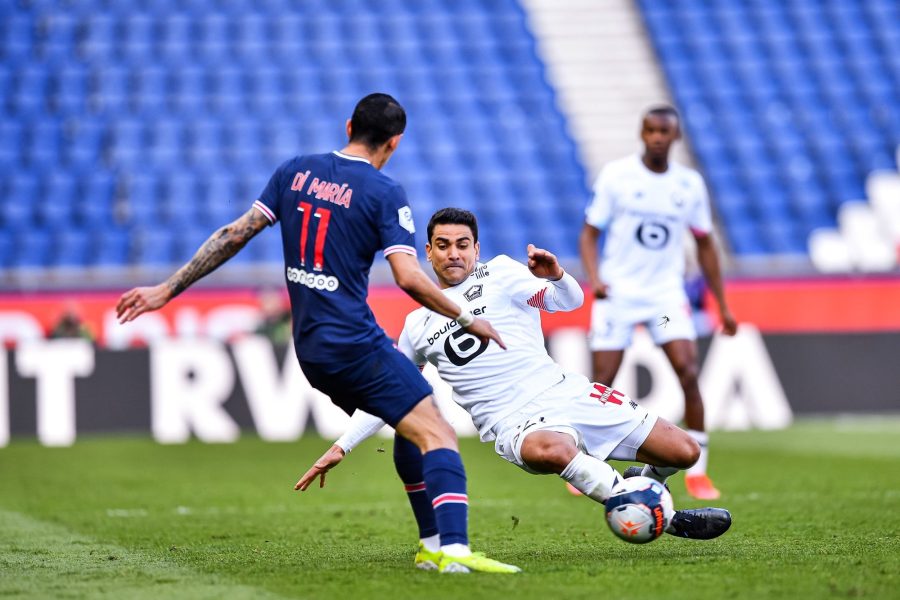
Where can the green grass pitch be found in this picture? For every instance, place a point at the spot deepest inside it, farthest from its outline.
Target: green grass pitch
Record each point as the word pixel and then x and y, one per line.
pixel 816 515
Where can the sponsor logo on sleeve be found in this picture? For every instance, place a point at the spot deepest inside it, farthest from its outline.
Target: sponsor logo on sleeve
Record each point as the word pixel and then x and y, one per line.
pixel 406 220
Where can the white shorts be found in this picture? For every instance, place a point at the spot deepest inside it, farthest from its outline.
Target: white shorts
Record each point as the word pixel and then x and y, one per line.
pixel 613 322
pixel 604 422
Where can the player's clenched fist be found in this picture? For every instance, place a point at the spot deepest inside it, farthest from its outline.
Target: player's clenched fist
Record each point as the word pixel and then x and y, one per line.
pixel 544 264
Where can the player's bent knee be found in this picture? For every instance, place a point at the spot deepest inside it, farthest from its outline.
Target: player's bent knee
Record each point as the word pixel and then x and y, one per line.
pixel 688 452
pixel 548 451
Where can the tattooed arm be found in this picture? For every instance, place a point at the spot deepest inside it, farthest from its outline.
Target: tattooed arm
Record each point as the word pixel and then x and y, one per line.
pixel 221 245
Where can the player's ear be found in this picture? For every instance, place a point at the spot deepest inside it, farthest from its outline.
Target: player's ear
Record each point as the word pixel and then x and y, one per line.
pixel 349 129
pixel 394 142
pixel 428 251
pixel 477 250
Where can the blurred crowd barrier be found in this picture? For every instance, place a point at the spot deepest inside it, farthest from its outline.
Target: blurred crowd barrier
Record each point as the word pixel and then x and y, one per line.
pixel 206 366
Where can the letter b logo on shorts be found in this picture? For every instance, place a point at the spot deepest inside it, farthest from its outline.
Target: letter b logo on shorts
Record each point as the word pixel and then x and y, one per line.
pixel 462 347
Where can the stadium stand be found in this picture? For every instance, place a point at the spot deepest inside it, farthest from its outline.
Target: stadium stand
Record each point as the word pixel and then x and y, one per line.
pixel 129 129
pixel 790 107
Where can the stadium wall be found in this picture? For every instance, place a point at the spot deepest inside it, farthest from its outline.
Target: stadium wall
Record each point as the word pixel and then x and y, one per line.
pixel 193 370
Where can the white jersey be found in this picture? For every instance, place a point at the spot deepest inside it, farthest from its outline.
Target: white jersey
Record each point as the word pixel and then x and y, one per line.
pixel 487 381
pixel 644 215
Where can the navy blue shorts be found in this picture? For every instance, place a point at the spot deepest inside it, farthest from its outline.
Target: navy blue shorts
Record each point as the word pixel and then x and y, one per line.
pixel 383 382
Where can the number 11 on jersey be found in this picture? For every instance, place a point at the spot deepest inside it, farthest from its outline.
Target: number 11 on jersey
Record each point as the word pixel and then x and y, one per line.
pixel 324 215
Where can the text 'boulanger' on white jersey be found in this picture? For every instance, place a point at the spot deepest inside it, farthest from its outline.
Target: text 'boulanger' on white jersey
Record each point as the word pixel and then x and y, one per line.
pixel 644 215
pixel 487 381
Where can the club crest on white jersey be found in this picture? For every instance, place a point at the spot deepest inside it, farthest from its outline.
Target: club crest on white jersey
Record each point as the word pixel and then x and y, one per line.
pixel 488 381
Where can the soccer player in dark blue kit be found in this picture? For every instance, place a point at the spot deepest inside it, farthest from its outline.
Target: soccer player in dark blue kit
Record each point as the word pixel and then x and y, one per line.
pixel 336 211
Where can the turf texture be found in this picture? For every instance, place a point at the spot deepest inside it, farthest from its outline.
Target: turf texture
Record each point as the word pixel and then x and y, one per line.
pixel 816 515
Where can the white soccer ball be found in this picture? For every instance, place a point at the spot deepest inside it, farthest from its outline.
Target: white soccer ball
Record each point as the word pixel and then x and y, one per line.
pixel 639 509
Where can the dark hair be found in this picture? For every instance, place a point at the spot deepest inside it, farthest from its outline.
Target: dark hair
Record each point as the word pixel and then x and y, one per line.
pixel 376 119
pixel 663 110
pixel 453 216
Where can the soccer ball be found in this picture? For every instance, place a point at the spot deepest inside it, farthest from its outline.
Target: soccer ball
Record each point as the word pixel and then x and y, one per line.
pixel 639 509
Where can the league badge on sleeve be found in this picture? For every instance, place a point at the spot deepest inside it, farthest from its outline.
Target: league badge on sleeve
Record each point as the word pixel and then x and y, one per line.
pixel 406 220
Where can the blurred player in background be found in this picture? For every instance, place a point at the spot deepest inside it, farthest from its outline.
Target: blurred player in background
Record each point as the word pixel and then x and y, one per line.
pixel 336 211
pixel 644 203
pixel 543 419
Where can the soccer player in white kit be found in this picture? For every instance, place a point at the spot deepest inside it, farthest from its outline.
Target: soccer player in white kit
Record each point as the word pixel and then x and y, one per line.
pixel 644 203
pixel 540 417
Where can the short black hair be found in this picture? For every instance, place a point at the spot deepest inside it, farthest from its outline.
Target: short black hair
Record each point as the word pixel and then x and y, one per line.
pixel 663 110
pixel 376 119
pixel 453 216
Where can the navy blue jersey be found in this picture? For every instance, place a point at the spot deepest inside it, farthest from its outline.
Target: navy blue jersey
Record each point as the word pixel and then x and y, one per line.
pixel 336 211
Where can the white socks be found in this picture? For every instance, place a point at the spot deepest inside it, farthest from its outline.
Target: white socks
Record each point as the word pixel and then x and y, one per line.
pixel 701 438
pixel 457 550
pixel 432 543
pixel 660 474
pixel 591 476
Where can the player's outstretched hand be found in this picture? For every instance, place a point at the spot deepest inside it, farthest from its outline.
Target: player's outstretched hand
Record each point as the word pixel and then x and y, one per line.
pixel 544 264
pixel 137 301
pixel 484 331
pixel 331 458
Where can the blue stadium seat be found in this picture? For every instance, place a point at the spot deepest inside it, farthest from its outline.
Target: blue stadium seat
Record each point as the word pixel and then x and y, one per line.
pixel 12 140
pixel 127 142
pixel 69 87
pixel 111 246
pixel 252 39
pixel 33 248
pixel 176 37
pixel 21 193
pixel 141 200
pixel 745 240
pixel 139 37
pixel 287 43
pixel 269 247
pixel 84 136
pixel 110 88
pixel 166 143
pixel 56 204
pixel 72 248
pixel 18 36
pixel 7 248
pixel 220 199
pixel 782 237
pixel 98 37
pixel 814 84
pixel 178 199
pixel 121 100
pixel 96 198
pixel 228 87
pixel 215 30
pixel 189 93
pixel 151 90
pixel 190 238
pixel 29 91
pixel 58 35
pixel 244 142
pixel 44 143
pixel 154 246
